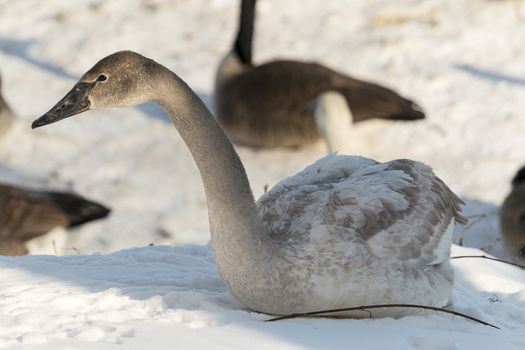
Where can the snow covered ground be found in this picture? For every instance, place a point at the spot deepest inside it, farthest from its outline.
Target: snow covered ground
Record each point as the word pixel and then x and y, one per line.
pixel 172 298
pixel 462 60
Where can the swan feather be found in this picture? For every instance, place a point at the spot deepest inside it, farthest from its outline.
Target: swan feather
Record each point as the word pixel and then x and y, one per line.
pixel 398 210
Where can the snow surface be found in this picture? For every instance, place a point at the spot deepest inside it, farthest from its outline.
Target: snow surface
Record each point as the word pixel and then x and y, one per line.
pixel 462 60
pixel 171 297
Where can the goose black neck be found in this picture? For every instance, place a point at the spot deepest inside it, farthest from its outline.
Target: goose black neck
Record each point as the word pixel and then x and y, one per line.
pixel 519 178
pixel 243 42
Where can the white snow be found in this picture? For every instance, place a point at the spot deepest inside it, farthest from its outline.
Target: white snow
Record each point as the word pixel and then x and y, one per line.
pixel 171 297
pixel 462 60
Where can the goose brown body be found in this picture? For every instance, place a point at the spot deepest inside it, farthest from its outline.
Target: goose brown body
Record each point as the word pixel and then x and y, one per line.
pixel 273 104
pixel 26 214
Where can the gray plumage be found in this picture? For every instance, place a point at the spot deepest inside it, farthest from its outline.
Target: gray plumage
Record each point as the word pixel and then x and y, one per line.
pixel 345 231
pixel 273 104
pixel 26 214
pixel 512 216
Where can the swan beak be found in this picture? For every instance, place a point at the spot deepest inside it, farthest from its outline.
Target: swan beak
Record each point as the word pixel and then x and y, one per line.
pixel 76 101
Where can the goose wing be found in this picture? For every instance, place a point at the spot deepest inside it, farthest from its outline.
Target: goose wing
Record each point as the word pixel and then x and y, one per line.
pixel 369 101
pixel 282 91
pixel 397 210
pixel 26 214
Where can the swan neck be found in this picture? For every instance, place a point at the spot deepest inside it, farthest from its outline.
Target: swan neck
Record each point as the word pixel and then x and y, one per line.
pixel 237 232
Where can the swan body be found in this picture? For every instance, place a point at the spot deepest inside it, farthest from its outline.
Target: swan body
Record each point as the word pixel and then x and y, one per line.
pixel 512 217
pixel 269 105
pixel 345 231
pixel 360 224
pixel 26 214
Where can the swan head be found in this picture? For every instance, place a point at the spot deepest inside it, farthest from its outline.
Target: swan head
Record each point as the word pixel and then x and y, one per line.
pixel 118 80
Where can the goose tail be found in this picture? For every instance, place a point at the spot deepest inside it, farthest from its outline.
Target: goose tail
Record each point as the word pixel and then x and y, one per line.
pixel 77 209
pixel 369 101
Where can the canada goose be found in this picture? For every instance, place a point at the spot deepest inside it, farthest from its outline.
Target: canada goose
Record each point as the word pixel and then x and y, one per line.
pixel 273 104
pixel 512 216
pixel 6 115
pixel 345 231
pixel 26 214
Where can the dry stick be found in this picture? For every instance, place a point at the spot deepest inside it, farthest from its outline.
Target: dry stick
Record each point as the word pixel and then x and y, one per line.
pixel 488 258
pixel 482 215
pixel 437 309
pixel 478 218
pixel 54 247
pixel 366 307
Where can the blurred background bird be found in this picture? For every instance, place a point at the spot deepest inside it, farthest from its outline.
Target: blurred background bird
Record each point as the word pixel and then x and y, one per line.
pixel 274 104
pixel 512 216
pixel 26 214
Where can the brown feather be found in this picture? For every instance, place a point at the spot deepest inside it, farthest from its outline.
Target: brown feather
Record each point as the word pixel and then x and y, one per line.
pixel 26 214
pixel 271 105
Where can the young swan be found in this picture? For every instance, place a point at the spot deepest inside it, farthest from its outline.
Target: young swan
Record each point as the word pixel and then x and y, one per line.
pixel 512 216
pixel 346 231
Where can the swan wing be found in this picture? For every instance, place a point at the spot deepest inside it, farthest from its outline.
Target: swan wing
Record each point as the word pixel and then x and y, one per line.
pixel 398 209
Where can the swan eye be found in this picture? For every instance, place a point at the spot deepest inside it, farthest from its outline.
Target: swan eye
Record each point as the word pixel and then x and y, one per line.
pixel 102 77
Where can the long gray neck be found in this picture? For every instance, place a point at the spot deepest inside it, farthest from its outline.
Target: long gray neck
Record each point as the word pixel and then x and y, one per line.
pixel 240 242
